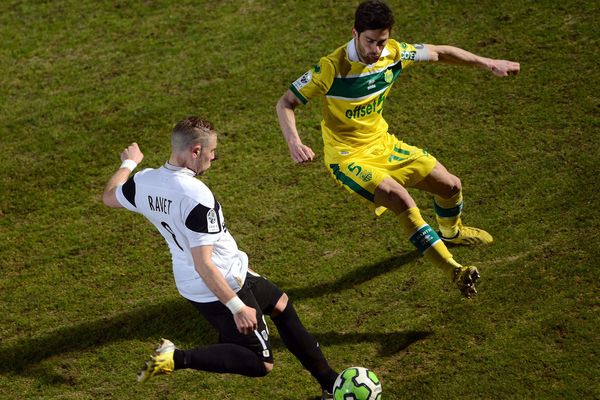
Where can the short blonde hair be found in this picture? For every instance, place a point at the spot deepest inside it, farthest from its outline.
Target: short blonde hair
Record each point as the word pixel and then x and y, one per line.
pixel 191 131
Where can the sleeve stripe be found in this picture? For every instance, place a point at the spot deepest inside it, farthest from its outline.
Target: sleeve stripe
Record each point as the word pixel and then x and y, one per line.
pixel 204 219
pixel 298 94
pixel 129 191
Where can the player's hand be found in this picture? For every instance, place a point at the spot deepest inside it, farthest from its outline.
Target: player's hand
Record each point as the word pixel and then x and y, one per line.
pixel 132 152
pixel 504 67
pixel 301 153
pixel 245 320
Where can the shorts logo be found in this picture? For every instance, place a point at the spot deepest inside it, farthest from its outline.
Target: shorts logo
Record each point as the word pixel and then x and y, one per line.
pixel 211 221
pixel 265 335
pixel 366 176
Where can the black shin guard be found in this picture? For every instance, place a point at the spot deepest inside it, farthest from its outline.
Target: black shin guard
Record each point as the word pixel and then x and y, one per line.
pixel 222 358
pixel 304 346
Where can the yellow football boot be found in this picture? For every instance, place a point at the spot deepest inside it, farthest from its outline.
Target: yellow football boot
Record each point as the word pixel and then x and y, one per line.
pixel 468 236
pixel 160 362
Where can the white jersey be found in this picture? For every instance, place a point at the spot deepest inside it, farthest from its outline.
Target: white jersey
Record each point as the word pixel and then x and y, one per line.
pixel 187 215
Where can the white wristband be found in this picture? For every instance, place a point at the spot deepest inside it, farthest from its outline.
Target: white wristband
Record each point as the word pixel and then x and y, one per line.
pixel 129 164
pixel 235 305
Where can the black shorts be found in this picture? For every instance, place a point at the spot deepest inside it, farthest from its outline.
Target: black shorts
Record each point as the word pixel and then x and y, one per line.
pixel 258 293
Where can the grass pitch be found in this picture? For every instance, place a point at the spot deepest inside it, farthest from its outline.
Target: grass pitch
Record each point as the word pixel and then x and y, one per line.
pixel 86 291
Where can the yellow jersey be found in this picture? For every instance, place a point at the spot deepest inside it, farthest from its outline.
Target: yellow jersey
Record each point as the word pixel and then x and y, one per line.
pixel 353 93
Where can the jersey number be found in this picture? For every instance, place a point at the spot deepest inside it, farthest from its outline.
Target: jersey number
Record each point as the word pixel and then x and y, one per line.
pixel 168 228
pixel 356 169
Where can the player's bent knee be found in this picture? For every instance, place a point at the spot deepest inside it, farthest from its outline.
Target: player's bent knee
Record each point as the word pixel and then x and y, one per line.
pixel 393 196
pixel 457 185
pixel 455 189
pixel 280 306
pixel 452 190
pixel 449 187
pixel 441 182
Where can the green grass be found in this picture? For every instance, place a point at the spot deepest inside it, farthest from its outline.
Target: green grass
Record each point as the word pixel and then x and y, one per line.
pixel 86 291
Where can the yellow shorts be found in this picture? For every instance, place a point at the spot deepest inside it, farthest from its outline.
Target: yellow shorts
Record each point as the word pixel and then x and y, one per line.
pixel 363 170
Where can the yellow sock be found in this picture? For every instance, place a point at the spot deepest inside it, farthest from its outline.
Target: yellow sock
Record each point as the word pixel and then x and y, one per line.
pixel 426 240
pixel 447 214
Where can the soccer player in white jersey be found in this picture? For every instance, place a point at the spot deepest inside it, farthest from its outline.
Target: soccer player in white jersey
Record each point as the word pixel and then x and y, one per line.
pixel 363 157
pixel 209 269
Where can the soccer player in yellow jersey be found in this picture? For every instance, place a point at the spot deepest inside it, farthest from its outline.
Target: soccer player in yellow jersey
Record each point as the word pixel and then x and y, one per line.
pixel 363 157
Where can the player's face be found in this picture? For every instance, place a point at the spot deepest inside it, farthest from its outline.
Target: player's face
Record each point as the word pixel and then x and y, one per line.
pixel 370 44
pixel 206 156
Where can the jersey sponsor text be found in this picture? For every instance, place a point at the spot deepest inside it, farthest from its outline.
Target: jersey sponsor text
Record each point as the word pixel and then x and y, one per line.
pixel 366 109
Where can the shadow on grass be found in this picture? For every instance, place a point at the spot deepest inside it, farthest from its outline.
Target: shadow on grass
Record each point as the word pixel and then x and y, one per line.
pixel 354 277
pixel 178 320
pixel 151 322
pixel 390 343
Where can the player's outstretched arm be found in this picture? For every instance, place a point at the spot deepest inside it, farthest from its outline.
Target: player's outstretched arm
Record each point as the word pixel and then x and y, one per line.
pixel 287 121
pixel 243 315
pixel 458 56
pixel 130 158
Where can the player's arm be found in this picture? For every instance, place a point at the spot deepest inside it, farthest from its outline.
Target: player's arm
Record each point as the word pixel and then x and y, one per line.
pixel 287 121
pixel 244 316
pixel 458 56
pixel 130 158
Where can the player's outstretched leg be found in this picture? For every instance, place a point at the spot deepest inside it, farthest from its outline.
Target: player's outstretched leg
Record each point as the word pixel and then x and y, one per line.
pixel 427 241
pixel 306 349
pixel 220 358
pixel 160 362
pixel 447 213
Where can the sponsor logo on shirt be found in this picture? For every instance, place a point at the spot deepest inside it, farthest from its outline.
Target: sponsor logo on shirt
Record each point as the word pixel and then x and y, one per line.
pixel 408 55
pixel 366 109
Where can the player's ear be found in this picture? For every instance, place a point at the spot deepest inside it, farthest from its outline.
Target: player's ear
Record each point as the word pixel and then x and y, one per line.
pixel 196 150
pixel 354 33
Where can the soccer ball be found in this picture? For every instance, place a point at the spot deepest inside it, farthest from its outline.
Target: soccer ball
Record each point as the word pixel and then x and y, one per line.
pixel 357 383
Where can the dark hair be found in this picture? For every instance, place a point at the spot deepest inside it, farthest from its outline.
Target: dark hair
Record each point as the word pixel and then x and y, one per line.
pixel 373 14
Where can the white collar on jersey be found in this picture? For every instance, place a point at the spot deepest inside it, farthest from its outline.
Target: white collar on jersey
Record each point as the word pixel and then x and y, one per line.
pixel 175 168
pixel 353 53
